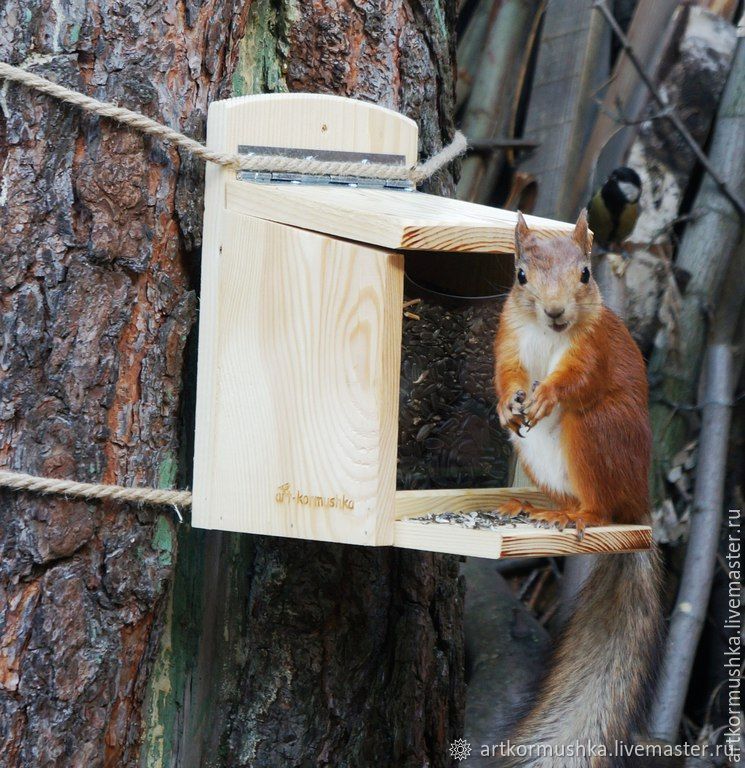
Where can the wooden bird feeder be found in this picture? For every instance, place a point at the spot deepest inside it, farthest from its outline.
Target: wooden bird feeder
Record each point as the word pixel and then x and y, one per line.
pixel 300 338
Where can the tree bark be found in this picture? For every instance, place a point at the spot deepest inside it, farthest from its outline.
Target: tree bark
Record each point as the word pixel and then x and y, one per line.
pixel 96 306
pixel 697 63
pixel 274 652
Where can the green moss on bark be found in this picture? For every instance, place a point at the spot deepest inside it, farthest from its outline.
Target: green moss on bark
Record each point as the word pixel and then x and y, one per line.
pixel 263 51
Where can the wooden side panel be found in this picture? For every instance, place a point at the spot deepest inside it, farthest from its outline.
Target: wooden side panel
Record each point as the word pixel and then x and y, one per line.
pixel 298 420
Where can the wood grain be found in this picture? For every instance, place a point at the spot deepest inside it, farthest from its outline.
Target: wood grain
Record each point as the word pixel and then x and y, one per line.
pixel 291 120
pixel 303 389
pixel 526 540
pixel 300 342
pixel 388 218
pixel 522 540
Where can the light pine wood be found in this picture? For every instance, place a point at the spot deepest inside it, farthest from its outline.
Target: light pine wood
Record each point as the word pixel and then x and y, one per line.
pixel 304 387
pixel 299 345
pixel 522 540
pixel 310 121
pixel 388 218
pixel 417 503
pixel 526 540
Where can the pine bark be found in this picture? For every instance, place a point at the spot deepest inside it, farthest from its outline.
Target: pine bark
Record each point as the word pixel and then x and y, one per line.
pixel 330 655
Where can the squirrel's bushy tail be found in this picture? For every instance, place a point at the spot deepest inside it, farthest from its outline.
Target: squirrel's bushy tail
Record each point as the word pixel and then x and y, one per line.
pixel 600 678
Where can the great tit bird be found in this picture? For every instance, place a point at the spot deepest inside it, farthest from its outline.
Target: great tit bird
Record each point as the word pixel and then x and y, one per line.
pixel 613 210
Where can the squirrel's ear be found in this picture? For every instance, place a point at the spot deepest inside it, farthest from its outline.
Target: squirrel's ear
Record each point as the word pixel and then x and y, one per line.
pixel 581 234
pixel 522 234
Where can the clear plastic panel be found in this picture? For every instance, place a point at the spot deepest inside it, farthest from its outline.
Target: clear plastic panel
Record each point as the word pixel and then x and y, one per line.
pixel 449 433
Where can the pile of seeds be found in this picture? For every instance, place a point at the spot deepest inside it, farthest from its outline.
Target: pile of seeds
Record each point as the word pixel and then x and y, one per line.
pixel 481 520
pixel 449 433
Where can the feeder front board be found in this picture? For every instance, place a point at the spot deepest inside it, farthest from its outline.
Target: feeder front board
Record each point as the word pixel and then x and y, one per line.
pixel 300 338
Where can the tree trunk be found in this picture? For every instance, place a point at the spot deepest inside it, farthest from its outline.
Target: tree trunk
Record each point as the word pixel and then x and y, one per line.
pixel 274 652
pixel 96 306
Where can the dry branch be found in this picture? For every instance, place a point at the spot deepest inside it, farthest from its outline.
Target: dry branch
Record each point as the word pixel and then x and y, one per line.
pixel 608 142
pixel 706 247
pixel 495 92
pixel 569 71
pixel 723 371
pixel 471 48
pixel 698 574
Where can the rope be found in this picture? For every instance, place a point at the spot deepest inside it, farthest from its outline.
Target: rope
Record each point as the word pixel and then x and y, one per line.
pixel 266 163
pixel 18 481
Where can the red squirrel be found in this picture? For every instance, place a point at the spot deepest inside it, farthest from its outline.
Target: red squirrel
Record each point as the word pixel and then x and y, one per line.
pixel 572 390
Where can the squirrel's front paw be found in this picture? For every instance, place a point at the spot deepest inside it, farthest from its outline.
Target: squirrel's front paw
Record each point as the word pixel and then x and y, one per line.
pixel 541 404
pixel 510 410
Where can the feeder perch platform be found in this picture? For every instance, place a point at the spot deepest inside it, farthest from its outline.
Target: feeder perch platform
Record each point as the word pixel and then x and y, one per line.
pixel 300 338
pixel 414 528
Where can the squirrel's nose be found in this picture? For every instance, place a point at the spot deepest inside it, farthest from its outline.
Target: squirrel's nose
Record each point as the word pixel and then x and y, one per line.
pixel 554 311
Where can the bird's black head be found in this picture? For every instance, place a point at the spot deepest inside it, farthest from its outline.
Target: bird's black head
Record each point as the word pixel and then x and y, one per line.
pixel 627 181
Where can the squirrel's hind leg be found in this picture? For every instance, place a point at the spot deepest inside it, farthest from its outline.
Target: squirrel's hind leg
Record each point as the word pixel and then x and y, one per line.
pixel 515 507
pixel 577 517
pixel 572 516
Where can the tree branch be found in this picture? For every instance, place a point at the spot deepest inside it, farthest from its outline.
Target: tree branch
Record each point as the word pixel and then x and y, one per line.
pixel 698 572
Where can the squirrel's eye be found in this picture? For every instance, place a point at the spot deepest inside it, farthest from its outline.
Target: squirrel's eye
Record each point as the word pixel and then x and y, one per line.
pixel 585 276
pixel 521 277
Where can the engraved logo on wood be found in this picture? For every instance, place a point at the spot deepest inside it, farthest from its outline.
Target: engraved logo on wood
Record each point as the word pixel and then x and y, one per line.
pixel 286 494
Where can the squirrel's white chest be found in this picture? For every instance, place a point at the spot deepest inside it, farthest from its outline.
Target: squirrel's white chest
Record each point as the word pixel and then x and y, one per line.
pixel 541 350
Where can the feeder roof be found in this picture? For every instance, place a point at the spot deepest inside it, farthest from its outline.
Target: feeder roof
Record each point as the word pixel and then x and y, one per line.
pixel 393 219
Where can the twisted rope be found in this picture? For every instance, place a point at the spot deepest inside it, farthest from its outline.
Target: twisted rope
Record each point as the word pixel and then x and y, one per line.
pixel 266 163
pixel 18 481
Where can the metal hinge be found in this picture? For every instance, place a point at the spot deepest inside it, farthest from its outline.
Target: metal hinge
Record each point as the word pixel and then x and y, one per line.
pixel 324 154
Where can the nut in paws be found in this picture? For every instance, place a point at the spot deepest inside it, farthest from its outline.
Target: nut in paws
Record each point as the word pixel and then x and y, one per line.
pixel 541 404
pixel 510 410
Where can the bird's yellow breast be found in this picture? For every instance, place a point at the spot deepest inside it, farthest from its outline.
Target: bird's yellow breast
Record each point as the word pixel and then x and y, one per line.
pixel 599 219
pixel 627 221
